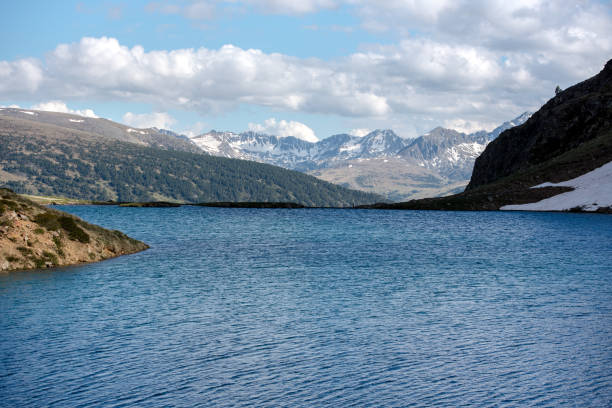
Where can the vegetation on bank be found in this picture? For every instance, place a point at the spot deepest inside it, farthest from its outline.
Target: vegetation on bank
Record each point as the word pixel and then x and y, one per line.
pixel 33 236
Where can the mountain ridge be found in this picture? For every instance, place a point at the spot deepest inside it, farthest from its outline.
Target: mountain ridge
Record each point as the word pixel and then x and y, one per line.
pixel 543 164
pixel 48 159
pixel 371 162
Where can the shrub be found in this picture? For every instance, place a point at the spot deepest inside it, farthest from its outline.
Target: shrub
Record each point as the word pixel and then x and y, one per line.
pixel 39 262
pixel 48 220
pixel 50 256
pixel 75 232
pixel 58 245
pixel 24 250
pixel 10 204
pixel 39 231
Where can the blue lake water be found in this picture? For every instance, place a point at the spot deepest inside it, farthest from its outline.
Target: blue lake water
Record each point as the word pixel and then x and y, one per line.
pixel 242 307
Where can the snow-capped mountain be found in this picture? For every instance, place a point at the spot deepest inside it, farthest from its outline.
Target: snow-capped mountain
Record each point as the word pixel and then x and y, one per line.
pixel 440 148
pixel 296 153
pixel 450 153
pixel 447 156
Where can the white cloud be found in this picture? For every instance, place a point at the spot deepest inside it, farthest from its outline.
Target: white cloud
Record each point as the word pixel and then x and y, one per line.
pixel 200 10
pixel 483 61
pixel 194 130
pixel 466 126
pixel 208 80
pixel 293 7
pixel 20 77
pixel 195 10
pixel 360 132
pixel 160 120
pixel 285 128
pixel 59 106
pixel 205 9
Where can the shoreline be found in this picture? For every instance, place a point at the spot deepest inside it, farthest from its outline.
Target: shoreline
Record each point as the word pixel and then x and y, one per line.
pixel 295 206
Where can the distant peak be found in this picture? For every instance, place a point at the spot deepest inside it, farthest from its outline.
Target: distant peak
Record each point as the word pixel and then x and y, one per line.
pixel 384 132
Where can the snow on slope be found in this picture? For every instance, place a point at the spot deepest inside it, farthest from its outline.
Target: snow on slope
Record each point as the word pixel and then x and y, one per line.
pixel 592 191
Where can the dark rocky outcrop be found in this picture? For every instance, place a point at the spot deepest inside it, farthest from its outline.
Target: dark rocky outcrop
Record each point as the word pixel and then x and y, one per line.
pixel 581 113
pixel 569 136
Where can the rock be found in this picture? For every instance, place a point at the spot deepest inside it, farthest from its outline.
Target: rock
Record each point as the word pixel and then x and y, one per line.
pixel 577 115
pixel 39 250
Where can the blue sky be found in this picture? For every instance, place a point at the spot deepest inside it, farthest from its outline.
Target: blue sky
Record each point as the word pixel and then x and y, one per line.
pixel 316 66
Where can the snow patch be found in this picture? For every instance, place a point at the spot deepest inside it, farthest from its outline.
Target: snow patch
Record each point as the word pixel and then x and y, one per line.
pixel 349 147
pixel 142 132
pixel 76 120
pixel 28 113
pixel 207 142
pixel 591 191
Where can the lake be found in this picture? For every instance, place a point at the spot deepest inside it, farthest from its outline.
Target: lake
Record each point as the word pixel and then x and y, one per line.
pixel 315 307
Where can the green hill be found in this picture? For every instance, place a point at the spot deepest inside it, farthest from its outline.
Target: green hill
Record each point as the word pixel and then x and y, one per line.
pixel 48 159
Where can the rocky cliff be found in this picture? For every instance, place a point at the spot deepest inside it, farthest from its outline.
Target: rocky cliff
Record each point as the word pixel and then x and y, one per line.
pixel 577 115
pixel 563 148
pixel 33 236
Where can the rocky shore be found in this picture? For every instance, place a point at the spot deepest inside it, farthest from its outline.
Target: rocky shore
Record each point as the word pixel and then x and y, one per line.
pixel 33 237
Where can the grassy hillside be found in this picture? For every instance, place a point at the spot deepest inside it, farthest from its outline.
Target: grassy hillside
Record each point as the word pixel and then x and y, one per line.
pixel 33 236
pixel 45 160
pixel 97 128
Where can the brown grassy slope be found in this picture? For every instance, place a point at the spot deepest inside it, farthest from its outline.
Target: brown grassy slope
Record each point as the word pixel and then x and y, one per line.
pixel 33 236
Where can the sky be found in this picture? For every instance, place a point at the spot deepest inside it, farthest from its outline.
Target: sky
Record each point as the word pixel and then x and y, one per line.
pixel 307 68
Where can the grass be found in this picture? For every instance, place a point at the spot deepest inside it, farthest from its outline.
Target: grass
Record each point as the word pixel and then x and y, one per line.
pixel 48 220
pixel 24 250
pixel 52 222
pixel 62 226
pixel 50 257
pixel 59 247
pixel 75 232
pixel 45 200
pixel 12 205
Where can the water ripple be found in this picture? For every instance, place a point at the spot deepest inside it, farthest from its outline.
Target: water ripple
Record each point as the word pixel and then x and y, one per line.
pixel 268 308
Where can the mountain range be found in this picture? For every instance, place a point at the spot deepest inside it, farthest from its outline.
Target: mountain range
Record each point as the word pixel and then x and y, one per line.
pixel 46 153
pixel 560 159
pixel 437 163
